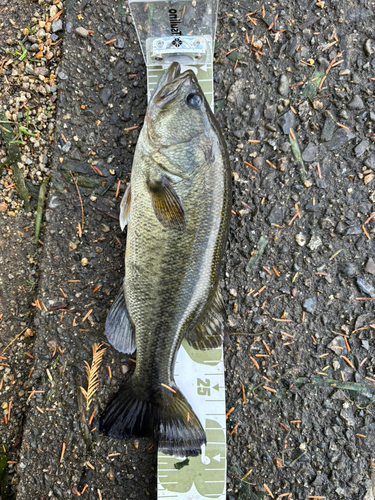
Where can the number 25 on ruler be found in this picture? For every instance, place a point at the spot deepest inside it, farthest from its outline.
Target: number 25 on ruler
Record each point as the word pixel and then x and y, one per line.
pixel 203 388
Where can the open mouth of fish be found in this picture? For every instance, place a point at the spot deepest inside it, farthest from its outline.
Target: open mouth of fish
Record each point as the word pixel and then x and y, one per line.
pixel 172 84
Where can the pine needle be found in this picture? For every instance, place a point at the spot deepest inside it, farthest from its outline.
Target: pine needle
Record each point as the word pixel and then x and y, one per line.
pixel 92 373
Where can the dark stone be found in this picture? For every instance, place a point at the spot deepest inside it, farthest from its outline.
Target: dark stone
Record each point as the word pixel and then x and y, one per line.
pixel 361 148
pixel 255 116
pixel 287 121
pixel 309 305
pixel 310 153
pixel 239 133
pixel 321 183
pixel 328 129
pixel 104 95
pixel 127 114
pixel 361 118
pixel 120 43
pixel 370 161
pixel 276 215
pixel 356 103
pixel 270 111
pixel 340 228
pixel 364 208
pixel 366 287
pixel 370 266
pixel 340 137
pixel 259 163
pixel 354 230
pixel 114 119
pixel 348 269
pixel 79 167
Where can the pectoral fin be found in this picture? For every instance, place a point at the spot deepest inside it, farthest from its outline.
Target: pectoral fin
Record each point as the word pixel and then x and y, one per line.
pixel 125 208
pixel 209 332
pixel 118 327
pixel 166 203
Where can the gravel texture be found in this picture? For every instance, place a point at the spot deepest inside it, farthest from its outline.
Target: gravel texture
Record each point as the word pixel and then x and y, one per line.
pixel 301 318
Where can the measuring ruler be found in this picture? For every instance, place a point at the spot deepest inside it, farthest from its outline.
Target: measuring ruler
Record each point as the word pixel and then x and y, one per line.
pixel 200 376
pixel 181 31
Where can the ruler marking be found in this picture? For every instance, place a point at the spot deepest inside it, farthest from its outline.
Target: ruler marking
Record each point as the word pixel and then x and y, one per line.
pixel 170 496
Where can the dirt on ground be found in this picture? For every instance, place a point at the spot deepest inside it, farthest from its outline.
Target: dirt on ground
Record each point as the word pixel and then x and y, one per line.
pixel 294 96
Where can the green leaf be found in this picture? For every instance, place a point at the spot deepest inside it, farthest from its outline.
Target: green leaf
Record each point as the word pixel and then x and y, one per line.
pixel 219 105
pixel 180 465
pixel 235 56
pixel 25 131
pixel 254 260
pixel 312 87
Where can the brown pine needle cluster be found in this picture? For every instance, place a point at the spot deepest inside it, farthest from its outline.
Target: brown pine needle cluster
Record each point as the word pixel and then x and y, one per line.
pixel 92 373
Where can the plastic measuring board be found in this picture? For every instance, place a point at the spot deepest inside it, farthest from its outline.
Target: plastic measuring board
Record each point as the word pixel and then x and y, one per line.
pixel 199 374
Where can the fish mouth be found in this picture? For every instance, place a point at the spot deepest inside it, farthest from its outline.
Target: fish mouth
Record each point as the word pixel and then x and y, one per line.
pixel 173 81
pixel 172 72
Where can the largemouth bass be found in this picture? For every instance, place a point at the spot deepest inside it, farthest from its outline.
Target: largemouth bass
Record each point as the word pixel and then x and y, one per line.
pixel 177 209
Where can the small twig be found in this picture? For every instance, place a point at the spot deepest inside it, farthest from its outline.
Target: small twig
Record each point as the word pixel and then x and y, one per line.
pixel 80 198
pixel 15 338
pixel 295 460
pixel 39 210
pixel 92 373
pixel 62 452
pixel 2 64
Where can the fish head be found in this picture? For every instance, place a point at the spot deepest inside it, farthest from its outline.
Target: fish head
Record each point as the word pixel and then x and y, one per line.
pixel 178 110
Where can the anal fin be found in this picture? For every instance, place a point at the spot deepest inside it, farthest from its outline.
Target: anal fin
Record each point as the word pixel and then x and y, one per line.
pixel 210 330
pixel 118 327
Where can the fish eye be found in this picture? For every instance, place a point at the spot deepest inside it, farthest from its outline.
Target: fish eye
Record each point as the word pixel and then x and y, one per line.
pixel 194 100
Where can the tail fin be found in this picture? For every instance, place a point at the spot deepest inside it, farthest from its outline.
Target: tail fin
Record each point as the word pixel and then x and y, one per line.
pixel 177 428
pixel 171 422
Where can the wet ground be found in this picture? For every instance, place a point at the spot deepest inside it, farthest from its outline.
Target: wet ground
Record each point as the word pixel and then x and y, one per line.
pixel 295 101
